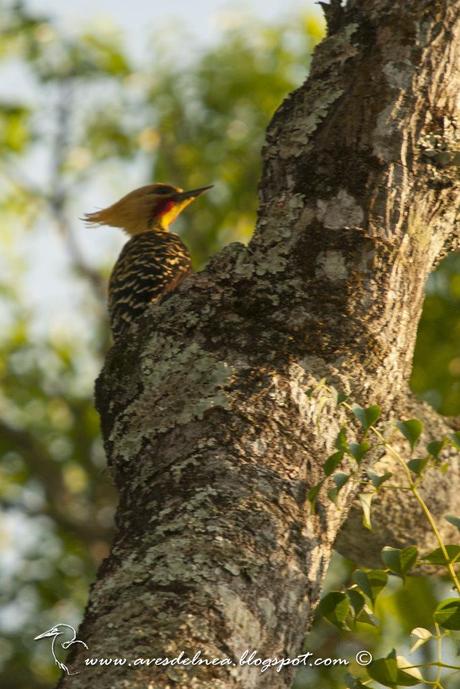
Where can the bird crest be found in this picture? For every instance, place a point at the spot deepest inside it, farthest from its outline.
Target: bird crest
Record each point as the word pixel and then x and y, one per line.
pixel 152 207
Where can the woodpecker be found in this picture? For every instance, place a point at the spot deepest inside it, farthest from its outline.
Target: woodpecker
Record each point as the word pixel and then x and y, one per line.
pixel 154 261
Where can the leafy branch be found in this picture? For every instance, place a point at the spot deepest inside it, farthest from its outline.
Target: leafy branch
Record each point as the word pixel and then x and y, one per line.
pixel 357 603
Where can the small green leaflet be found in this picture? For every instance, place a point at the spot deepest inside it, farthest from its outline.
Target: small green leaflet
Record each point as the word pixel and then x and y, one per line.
pixel 367 416
pixel 421 635
pixel 398 561
pixel 434 448
pixel 341 441
pixel 340 479
pixel 358 450
pixel 357 601
pixel 447 614
pixel 335 607
pixel 366 500
pixel 332 462
pixel 437 557
pixel 370 581
pixel 453 520
pixel 418 465
pixel 389 672
pixel 411 430
pixel 377 480
pixel 366 617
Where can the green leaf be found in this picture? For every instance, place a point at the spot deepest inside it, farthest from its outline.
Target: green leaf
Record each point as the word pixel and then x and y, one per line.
pixel 367 416
pixel 411 430
pixel 366 500
pixel 447 614
pixel 418 465
pixel 340 479
pixel 335 607
pixel 377 480
pixel 407 676
pixel 341 441
pixel 370 581
pixel 333 494
pixel 366 617
pixel 434 448
pixel 453 520
pixel 341 398
pixel 357 601
pixel 399 561
pixel 332 462
pixel 358 450
pixel 436 557
pixel 407 558
pixel 387 672
pixel 421 635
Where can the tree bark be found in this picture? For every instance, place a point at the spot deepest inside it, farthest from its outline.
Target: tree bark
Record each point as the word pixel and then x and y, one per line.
pixel 220 409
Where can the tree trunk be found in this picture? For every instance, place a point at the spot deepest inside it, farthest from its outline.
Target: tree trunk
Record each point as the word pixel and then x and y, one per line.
pixel 219 412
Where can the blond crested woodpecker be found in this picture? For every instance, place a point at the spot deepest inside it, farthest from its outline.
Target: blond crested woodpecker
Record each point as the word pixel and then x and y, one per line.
pixel 154 261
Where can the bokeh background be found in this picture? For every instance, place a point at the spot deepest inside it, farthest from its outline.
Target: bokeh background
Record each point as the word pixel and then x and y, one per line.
pixel 96 98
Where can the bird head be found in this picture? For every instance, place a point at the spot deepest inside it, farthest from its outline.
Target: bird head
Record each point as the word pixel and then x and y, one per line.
pixel 153 207
pixel 53 631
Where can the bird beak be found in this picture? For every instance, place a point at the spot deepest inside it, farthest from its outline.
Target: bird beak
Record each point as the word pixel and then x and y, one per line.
pixel 44 635
pixel 192 194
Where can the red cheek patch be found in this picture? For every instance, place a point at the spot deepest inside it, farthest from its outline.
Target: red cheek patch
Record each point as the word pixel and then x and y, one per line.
pixel 164 206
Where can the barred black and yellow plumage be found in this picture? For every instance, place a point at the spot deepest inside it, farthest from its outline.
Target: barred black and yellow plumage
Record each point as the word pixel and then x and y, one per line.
pixel 153 262
pixel 150 265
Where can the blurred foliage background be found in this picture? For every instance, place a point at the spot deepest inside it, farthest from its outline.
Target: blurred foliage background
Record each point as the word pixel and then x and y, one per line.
pixel 89 126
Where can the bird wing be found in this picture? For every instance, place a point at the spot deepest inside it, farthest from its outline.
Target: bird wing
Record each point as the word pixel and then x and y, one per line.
pixel 150 265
